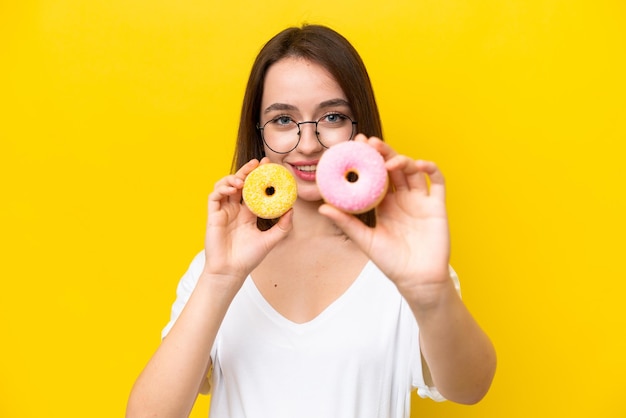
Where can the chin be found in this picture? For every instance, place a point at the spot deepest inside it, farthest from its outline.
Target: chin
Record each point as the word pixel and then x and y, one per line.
pixel 310 197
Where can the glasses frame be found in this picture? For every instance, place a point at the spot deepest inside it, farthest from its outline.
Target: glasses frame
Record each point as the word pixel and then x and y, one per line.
pixel 317 134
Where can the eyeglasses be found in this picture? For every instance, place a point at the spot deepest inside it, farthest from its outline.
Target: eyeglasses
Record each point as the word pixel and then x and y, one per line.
pixel 282 134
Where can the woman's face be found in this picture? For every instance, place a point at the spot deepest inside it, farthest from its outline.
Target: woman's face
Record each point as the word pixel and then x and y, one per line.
pixel 297 90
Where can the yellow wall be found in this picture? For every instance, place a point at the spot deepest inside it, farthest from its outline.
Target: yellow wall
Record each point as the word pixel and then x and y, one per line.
pixel 118 116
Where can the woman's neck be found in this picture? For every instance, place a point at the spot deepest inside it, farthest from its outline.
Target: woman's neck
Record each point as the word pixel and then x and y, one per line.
pixel 308 222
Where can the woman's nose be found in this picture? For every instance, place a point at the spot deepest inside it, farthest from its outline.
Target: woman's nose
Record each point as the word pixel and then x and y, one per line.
pixel 308 138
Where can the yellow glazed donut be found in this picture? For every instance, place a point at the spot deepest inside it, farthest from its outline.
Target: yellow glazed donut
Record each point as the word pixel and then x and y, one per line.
pixel 269 191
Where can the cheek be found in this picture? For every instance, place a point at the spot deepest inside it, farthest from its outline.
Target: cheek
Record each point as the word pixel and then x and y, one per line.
pixel 273 157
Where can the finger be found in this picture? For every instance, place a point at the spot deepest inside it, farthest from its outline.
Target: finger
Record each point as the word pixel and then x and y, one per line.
pixel 225 187
pixel 360 138
pixel 405 174
pixel 381 146
pixel 281 229
pixel 437 180
pixel 285 223
pixel 224 190
pixel 247 168
pixel 356 230
pixel 388 153
pixel 230 186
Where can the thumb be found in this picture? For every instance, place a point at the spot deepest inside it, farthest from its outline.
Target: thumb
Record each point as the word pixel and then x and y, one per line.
pixel 356 230
pixel 280 230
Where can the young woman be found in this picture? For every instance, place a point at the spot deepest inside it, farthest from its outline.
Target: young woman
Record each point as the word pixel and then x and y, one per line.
pixel 319 313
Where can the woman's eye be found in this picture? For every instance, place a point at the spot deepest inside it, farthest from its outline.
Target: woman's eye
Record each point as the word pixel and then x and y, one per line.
pixel 334 118
pixel 282 120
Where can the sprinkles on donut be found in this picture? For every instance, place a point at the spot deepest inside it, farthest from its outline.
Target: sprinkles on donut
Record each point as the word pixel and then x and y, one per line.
pixel 352 177
pixel 269 191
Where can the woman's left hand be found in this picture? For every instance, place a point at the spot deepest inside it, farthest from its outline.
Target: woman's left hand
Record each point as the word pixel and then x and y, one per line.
pixel 410 242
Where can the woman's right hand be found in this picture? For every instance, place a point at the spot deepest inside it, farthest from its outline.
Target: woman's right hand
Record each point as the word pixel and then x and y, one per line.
pixel 234 245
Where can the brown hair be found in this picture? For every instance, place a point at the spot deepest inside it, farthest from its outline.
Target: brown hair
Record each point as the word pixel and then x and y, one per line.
pixel 332 51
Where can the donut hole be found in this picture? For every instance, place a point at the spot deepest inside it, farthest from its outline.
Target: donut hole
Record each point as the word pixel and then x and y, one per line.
pixel 270 190
pixel 352 176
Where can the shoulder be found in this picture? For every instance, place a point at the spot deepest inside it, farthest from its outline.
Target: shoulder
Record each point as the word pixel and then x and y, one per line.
pixel 185 287
pixel 455 279
pixel 190 278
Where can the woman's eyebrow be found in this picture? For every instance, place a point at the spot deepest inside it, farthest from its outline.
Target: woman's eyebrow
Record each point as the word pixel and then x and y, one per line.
pixel 334 103
pixel 279 106
pixel 323 105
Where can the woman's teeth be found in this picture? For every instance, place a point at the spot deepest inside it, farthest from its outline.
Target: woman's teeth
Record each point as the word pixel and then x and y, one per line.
pixel 307 168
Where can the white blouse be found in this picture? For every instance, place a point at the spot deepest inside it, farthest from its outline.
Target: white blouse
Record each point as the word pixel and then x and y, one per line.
pixel 360 357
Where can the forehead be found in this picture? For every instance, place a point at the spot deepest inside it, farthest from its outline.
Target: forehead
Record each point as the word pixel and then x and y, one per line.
pixel 300 83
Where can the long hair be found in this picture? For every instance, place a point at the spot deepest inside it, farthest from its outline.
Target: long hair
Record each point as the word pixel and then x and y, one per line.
pixel 325 47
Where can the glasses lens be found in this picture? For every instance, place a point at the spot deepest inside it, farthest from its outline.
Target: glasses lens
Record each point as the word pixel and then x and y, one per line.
pixel 281 134
pixel 334 128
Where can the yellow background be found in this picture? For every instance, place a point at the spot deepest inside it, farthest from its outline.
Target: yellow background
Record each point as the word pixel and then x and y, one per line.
pixel 117 117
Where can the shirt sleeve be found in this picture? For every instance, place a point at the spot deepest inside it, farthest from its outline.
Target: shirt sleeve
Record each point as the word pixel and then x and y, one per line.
pixel 185 287
pixel 423 390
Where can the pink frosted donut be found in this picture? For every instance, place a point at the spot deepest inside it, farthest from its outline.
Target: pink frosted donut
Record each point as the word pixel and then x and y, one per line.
pixel 352 177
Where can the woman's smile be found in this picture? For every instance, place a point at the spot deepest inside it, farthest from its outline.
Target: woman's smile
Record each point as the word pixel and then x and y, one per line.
pixel 305 171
